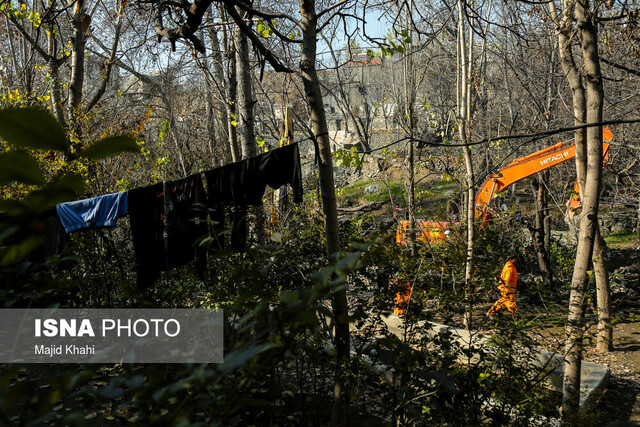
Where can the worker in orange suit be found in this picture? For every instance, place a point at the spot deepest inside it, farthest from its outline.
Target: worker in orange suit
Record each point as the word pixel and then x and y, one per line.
pixel 507 286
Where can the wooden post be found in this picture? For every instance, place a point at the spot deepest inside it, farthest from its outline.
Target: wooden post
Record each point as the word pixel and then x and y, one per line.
pixel 279 199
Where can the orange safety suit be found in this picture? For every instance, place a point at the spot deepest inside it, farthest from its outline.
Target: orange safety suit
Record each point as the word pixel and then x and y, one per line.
pixel 402 301
pixel 507 287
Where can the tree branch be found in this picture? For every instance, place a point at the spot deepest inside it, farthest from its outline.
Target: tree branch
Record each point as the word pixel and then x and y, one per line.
pixel 28 38
pixel 330 8
pixel 275 63
pixel 108 63
pixel 194 13
pixel 620 67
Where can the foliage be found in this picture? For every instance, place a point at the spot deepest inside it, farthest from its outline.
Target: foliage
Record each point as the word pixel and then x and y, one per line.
pixel 621 239
pixel 348 158
pixel 562 259
pixel 278 365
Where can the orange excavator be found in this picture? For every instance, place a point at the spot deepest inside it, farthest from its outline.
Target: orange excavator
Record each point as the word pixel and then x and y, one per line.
pixel 517 170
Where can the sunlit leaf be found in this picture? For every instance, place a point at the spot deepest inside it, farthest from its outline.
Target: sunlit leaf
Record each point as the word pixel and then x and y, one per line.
pixel 206 241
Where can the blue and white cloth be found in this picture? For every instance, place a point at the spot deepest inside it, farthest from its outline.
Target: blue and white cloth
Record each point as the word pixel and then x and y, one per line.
pixel 96 212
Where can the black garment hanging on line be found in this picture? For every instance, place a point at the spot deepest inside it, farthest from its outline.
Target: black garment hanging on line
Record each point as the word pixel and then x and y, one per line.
pixel 56 239
pixel 243 184
pixel 275 169
pixel 46 225
pixel 168 220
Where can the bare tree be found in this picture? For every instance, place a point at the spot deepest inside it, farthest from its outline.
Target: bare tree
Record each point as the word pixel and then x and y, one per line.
pixel 587 105
pixel 309 23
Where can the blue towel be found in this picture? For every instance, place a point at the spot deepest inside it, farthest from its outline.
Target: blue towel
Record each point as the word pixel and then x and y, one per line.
pixel 96 212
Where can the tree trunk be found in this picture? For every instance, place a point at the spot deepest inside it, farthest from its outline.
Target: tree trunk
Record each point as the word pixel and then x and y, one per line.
pixel 582 110
pixel 54 71
pixel 232 90
pixel 108 64
pixel 77 57
pixel 246 130
pixel 211 113
pixel 319 128
pixel 538 231
pixel 216 59
pixel 585 22
pixel 604 341
pixel 409 117
pixel 463 115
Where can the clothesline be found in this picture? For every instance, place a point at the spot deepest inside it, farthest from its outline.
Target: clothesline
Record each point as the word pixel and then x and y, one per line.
pixel 169 219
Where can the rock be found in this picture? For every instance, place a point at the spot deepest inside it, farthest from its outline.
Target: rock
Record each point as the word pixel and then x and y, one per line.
pixel 371 189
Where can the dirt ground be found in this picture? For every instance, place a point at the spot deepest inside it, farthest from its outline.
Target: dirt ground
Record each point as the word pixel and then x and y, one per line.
pixel 620 406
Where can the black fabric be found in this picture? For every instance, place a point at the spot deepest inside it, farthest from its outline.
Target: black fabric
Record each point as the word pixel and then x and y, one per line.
pixel 284 168
pixel 225 184
pixel 168 220
pixel 275 169
pixel 46 225
pixel 56 239
pixel 239 228
pixel 243 183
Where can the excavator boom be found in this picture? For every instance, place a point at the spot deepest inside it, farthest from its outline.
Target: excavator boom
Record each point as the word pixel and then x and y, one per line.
pixel 524 167
pixel 517 170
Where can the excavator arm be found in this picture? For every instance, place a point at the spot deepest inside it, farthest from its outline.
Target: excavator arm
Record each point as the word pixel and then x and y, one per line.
pixel 517 170
pixel 524 167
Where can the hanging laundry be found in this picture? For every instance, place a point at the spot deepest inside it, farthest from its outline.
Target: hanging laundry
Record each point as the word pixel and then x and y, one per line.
pixel 226 184
pixel 243 184
pixel 56 239
pixel 275 169
pixel 46 226
pixel 168 220
pixel 96 212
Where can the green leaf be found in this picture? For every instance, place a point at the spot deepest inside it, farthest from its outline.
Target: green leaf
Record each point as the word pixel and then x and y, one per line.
pixel 16 253
pixel 12 207
pixel 32 128
pixel 64 189
pixel 16 166
pixel 110 146
pixel 289 297
pixel 206 241
pixel 239 358
pixel 322 277
pixel 349 262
